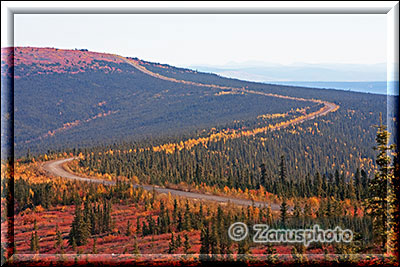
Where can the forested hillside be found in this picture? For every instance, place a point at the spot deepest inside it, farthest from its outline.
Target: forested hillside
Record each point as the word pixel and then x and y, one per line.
pixel 75 98
pixel 339 142
pixel 65 98
pixel 70 97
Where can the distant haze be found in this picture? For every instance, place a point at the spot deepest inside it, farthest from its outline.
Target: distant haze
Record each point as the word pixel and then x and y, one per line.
pixel 220 39
pixel 352 77
pixel 299 72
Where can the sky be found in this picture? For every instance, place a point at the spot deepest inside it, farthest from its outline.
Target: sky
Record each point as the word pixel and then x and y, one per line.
pixel 205 39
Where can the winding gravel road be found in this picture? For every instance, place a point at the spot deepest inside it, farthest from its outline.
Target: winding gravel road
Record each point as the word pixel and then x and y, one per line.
pixel 55 168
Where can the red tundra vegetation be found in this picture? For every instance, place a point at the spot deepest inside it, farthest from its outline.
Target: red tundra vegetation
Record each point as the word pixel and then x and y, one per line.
pixel 145 226
pixel 33 61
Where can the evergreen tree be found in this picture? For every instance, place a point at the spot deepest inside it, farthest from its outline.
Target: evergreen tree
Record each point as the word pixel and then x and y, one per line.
pixel 283 214
pixel 58 238
pixel 377 203
pixel 34 244
pixel 136 249
pixel 186 245
pixel 268 215
pixel 205 241
pixel 263 177
pixel 318 185
pixel 128 229
pixel 365 183
pixel 73 243
pixel 187 225
pixel 180 222
pixel 357 184
pixel 80 230
pixel 94 249
pixel 282 170
pixel 172 244
pixel 107 216
pixel 200 217
pixel 215 241
pixel 175 211
pixel 178 242
pixel 394 220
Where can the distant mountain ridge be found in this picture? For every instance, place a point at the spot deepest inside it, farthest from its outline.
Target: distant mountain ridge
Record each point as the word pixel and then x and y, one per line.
pixel 268 72
pixel 374 87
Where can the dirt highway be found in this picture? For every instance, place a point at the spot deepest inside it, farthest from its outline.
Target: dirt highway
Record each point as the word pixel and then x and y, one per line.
pixel 55 168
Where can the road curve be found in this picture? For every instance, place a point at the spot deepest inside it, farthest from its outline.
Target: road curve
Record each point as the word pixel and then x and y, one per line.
pixel 328 106
pixel 55 168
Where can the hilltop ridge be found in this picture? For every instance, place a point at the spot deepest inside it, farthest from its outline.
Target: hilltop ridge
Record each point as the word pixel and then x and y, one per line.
pixel 75 97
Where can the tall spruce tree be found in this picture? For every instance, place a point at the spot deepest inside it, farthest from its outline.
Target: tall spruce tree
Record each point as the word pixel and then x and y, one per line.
pixel 377 202
pixel 136 249
pixel 58 238
pixel 172 245
pixel 282 170
pixel 205 240
pixel 283 215
pixel 80 230
pixel 34 245
pixel 263 177
pixel 128 229
pixel 186 244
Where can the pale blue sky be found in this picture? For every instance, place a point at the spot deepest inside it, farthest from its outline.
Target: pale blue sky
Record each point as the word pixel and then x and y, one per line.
pixel 185 40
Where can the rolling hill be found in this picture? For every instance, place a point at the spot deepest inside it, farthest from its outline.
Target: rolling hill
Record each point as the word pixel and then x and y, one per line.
pixel 72 98
pixel 77 97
